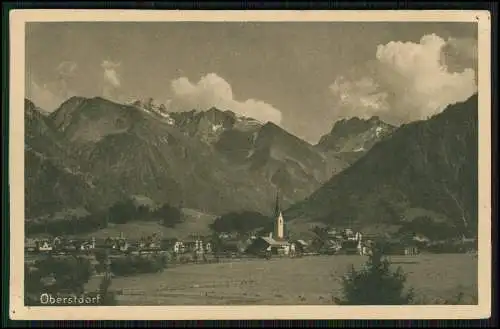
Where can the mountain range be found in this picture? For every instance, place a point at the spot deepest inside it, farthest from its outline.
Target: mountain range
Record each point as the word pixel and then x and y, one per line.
pixel 92 152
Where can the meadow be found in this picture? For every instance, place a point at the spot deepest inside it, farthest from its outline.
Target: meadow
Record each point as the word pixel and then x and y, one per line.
pixel 286 281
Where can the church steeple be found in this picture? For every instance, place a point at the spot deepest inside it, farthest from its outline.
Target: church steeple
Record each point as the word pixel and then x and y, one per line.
pixel 279 224
pixel 277 208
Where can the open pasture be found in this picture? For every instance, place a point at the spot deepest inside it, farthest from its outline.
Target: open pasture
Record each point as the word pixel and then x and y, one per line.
pixel 308 280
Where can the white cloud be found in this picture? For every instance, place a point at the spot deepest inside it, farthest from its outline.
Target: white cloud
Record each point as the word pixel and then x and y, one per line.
pixel 111 79
pixel 410 81
pixel 212 90
pixel 111 76
pixel 67 69
pixel 359 98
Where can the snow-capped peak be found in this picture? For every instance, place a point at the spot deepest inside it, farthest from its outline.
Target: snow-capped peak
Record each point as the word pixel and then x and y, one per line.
pixel 152 107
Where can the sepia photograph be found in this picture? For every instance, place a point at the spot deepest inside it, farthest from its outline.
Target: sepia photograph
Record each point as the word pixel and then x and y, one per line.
pixel 250 164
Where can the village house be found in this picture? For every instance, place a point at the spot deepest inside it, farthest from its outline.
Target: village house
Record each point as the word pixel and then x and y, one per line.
pixel 170 245
pixel 120 244
pixel 147 244
pixel 88 245
pixel 190 245
pixel 69 246
pixel 298 247
pixel 411 250
pixel 331 246
pixel 332 232
pixel 56 242
pixel 349 234
pixel 228 235
pixel 45 245
pixel 208 247
pixel 179 247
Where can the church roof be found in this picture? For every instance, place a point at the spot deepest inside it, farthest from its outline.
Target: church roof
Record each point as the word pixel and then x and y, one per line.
pixel 274 242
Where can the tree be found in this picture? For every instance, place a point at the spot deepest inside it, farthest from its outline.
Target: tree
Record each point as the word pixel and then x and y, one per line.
pixel 122 212
pixel 242 222
pixel 169 215
pixel 70 274
pixel 376 284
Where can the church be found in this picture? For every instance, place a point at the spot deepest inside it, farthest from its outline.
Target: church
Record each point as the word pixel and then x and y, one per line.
pixel 276 242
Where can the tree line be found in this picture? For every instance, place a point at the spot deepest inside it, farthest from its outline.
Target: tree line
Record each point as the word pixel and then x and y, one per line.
pixel 119 213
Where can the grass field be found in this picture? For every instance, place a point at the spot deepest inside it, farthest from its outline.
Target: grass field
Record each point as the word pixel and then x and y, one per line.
pixel 308 280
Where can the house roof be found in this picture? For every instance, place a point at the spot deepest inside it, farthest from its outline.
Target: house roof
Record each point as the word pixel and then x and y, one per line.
pixel 274 242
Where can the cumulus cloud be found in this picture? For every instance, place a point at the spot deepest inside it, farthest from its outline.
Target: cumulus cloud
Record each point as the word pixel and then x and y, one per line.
pixel 111 78
pixel 212 90
pixel 361 97
pixel 407 81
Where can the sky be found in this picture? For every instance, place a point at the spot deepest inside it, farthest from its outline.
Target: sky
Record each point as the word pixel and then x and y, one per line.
pixel 303 76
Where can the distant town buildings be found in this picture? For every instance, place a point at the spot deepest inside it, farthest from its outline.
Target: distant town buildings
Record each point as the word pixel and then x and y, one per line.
pixel 327 240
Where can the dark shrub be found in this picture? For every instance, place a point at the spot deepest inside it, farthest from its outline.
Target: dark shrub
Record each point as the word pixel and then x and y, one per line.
pixel 376 284
pixel 56 275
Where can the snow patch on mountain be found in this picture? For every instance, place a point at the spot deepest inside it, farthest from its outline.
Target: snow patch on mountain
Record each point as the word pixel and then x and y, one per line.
pixel 151 107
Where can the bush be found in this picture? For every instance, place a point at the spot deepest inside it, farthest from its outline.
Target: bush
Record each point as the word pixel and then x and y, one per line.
pixel 169 215
pixel 376 284
pixel 122 212
pixel 56 275
pixel 70 273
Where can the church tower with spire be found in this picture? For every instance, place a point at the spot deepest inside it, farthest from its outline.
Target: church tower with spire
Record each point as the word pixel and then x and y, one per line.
pixel 279 224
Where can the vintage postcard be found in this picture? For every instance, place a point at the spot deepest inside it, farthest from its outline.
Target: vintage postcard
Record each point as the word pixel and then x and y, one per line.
pixel 250 164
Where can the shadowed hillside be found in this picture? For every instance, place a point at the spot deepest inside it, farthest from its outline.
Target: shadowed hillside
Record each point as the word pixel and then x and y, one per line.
pixel 429 165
